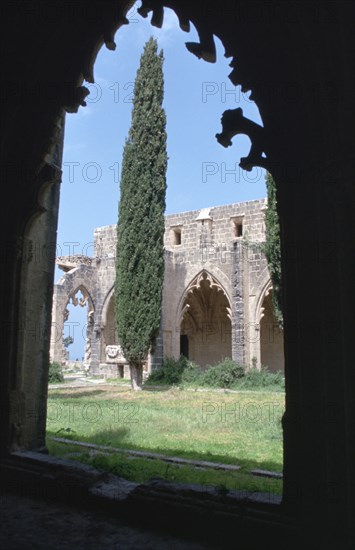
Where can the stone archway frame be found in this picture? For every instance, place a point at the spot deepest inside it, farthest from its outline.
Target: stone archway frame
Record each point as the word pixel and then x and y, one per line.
pixel 77 279
pixel 195 283
pixel 259 310
pixel 81 302
pixel 233 121
pixel 102 322
pixel 87 300
pixel 116 350
pixel 90 320
pixel 254 342
pixel 102 312
pixel 334 514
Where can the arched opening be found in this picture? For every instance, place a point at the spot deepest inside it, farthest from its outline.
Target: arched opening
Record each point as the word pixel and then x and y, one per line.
pixel 112 362
pixel 205 328
pixel 211 309
pixel 77 329
pixel 271 337
pixel 91 161
pixel 109 333
pixel 322 195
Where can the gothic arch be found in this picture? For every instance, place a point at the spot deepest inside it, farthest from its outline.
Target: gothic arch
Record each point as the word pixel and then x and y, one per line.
pixel 75 280
pixel 265 289
pixel 204 320
pixel 269 345
pixel 78 279
pixel 86 300
pixel 108 334
pixel 313 175
pixel 102 311
pixel 196 281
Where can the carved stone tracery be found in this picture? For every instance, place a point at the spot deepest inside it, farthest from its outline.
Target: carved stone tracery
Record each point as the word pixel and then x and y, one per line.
pixel 205 276
pixel 234 123
pixel 205 300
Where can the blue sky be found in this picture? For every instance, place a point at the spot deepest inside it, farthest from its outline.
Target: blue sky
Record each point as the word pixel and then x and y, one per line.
pixel 201 172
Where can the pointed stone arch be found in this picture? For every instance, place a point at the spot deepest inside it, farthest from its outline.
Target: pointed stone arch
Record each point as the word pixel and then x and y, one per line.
pixel 82 302
pixel 204 320
pixel 268 337
pixel 65 291
pixel 102 314
pixel 195 282
pixel 108 334
pixel 264 292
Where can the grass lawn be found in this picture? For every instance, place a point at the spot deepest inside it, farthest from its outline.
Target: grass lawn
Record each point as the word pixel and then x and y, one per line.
pixel 241 428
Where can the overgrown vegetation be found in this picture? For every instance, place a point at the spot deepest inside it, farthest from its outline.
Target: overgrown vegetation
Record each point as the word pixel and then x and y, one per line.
pixel 68 341
pixel 55 373
pixel 272 248
pixel 262 379
pixel 223 375
pixel 171 372
pixel 227 374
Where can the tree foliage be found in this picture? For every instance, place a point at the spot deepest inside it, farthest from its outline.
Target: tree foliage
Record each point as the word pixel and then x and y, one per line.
pixel 272 248
pixel 140 228
pixel 68 341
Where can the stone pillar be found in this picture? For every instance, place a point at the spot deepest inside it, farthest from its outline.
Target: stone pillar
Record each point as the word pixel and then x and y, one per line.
pixel 56 344
pixel 96 335
pixel 318 270
pixel 156 358
pixel 238 335
pixel 29 384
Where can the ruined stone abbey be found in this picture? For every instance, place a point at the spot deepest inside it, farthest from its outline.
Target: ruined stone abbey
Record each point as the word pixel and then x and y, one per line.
pixel 296 59
pixel 216 296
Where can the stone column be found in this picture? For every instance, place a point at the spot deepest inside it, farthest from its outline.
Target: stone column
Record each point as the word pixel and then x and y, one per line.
pixel 238 333
pixel 156 358
pixel 318 270
pixel 96 334
pixel 56 344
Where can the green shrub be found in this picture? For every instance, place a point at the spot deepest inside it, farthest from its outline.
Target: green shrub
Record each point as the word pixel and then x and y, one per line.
pixel 55 373
pixel 223 375
pixel 263 378
pixel 227 374
pixel 170 373
pixel 192 374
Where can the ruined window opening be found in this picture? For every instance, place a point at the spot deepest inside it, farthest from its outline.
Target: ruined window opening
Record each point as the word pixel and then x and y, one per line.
pixel 237 227
pixel 177 236
pixel 76 329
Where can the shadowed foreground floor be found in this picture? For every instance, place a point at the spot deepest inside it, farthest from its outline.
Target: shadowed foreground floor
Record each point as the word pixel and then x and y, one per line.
pixel 28 523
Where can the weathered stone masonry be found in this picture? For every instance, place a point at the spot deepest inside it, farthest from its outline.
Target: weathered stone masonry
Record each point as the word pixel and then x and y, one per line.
pixel 216 295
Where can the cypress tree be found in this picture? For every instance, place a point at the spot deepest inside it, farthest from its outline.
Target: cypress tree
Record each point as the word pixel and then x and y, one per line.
pixel 272 248
pixel 140 228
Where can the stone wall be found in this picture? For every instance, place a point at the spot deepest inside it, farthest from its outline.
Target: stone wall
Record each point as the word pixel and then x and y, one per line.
pixel 216 281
